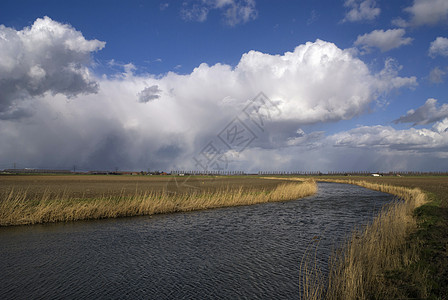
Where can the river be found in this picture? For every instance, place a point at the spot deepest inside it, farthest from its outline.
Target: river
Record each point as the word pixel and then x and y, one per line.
pixel 247 252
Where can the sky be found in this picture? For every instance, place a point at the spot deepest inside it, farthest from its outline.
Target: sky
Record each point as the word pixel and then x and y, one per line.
pixel 224 85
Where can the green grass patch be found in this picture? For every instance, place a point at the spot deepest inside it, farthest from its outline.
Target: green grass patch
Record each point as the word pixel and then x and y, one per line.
pixel 427 276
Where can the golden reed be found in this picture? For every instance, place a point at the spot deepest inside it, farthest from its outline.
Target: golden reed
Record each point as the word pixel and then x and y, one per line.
pixel 357 270
pixel 17 208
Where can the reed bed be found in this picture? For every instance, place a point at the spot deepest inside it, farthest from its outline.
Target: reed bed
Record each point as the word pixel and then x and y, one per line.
pixel 18 208
pixel 311 280
pixel 358 270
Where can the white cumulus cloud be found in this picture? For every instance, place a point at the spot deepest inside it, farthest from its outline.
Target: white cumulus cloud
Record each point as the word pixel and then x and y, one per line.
pixel 45 57
pixel 308 81
pixel 383 40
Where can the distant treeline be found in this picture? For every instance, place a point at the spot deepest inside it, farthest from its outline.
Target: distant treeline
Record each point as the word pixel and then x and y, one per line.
pixel 225 172
pixel 36 171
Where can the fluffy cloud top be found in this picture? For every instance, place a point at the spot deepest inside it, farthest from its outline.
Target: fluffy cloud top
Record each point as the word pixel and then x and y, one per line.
pixel 439 47
pixel 425 114
pixel 234 11
pixel 46 57
pixel 308 81
pixel 383 40
pixel 361 10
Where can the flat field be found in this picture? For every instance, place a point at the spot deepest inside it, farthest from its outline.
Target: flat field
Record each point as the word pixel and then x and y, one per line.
pixel 96 186
pixel 42 199
pixel 437 185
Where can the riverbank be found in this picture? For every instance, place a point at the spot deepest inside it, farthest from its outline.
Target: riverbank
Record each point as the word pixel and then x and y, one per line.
pixel 51 203
pixel 402 254
pixel 244 252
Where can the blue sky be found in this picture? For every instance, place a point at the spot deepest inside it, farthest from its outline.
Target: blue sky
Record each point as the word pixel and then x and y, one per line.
pixel 359 84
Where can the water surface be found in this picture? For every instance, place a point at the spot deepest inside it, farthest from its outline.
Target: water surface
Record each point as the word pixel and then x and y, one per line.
pixel 244 252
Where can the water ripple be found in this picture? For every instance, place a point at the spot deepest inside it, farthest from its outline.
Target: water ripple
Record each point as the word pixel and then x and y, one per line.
pixel 230 253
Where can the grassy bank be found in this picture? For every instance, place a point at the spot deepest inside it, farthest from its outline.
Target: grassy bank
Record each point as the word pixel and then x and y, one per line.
pixel 402 254
pixel 19 206
pixel 97 186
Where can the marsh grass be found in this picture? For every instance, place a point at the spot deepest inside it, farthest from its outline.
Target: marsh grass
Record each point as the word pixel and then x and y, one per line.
pixel 17 207
pixel 359 268
pixel 311 278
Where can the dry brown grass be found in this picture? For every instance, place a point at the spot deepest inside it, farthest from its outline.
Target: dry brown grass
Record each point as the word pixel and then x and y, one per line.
pixel 357 270
pixel 311 278
pixel 97 186
pixel 18 207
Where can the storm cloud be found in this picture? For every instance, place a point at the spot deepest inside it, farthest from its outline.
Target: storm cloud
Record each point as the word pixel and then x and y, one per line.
pixel 108 127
